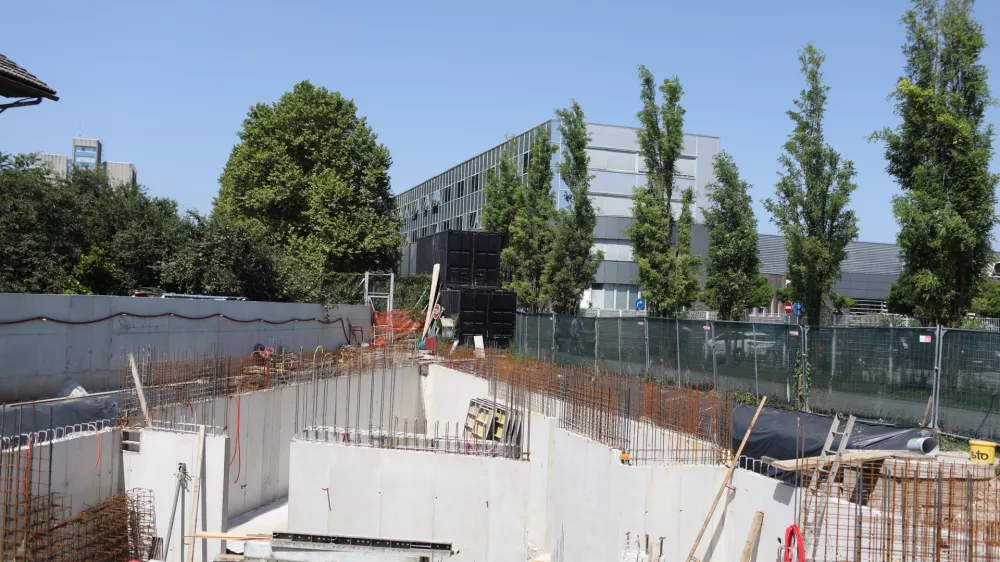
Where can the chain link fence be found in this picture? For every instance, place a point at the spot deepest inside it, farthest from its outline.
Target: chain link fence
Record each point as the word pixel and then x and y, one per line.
pixel 931 376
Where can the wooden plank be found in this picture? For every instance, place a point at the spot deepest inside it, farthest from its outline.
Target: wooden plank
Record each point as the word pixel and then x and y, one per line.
pixel 138 388
pixel 232 536
pixel 725 481
pixel 431 300
pixel 755 525
pixel 810 463
pixel 196 493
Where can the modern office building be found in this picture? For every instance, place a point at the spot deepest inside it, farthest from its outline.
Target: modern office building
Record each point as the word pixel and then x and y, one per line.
pixel 454 200
pixel 89 153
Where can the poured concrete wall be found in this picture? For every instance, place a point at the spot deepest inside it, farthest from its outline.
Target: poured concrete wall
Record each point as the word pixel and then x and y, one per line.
pixel 446 393
pixel 268 420
pixel 155 468
pixel 38 356
pixel 479 504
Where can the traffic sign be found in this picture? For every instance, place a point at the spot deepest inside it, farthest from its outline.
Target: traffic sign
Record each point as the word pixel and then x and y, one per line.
pixel 788 307
pixel 640 304
pixel 798 309
pixel 437 311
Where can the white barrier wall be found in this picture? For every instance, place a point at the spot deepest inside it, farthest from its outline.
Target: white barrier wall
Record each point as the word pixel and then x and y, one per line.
pixel 479 504
pixel 268 419
pixel 155 468
pixel 38 356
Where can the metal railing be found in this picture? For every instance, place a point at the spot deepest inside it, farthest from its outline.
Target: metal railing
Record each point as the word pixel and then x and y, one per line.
pixel 932 376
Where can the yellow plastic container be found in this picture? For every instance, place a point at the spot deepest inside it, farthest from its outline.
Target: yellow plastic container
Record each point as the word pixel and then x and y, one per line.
pixel 982 451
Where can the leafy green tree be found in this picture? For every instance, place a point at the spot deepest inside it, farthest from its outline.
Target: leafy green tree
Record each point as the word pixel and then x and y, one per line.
pixel 839 304
pixel 94 274
pixel 531 231
pixel 223 258
pixel 572 262
pixel 41 234
pixel 987 302
pixel 309 171
pixel 684 281
pixel 661 139
pixel 812 195
pixel 940 156
pixel 733 280
pixel 502 190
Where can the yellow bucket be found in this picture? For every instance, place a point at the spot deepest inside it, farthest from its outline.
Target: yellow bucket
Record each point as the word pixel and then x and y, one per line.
pixel 982 451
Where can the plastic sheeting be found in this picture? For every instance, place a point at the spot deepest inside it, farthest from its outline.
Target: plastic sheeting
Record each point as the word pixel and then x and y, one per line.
pixel 780 434
pixel 65 412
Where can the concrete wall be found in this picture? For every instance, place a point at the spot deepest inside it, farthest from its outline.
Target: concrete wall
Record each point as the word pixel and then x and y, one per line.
pixel 446 393
pixel 154 468
pixel 268 420
pixel 479 504
pixel 38 356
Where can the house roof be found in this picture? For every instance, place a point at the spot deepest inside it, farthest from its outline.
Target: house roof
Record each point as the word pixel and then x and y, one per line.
pixel 16 82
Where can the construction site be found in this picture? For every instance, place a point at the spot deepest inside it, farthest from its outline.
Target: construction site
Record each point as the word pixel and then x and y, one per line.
pixel 238 434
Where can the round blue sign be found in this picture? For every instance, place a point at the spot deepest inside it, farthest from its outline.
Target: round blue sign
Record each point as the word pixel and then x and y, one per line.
pixel 798 309
pixel 640 304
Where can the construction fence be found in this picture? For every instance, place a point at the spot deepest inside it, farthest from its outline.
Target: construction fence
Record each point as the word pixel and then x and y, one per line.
pixel 941 377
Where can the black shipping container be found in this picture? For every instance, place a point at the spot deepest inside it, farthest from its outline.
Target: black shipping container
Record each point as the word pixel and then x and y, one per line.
pixel 480 312
pixel 467 258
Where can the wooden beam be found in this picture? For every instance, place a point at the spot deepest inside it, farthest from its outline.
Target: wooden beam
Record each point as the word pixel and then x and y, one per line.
pixel 755 525
pixel 725 481
pixel 809 463
pixel 138 388
pixel 196 493
pixel 432 300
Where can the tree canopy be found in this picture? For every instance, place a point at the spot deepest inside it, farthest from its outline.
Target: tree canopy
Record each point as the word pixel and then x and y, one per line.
pixel 810 206
pixel 940 155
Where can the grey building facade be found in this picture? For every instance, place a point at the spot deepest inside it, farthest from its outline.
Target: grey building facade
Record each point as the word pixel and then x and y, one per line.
pixel 454 200
pixel 89 153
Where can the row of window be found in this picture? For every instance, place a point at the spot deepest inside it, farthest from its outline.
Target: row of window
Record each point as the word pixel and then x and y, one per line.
pixel 470 221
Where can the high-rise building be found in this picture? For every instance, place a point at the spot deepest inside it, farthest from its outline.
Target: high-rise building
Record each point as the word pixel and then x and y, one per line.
pixel 88 153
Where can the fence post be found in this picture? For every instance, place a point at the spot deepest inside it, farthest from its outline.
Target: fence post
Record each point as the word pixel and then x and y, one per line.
pixel 538 336
pixel 715 364
pixel 597 337
pixel 677 332
pixel 938 367
pixel 553 337
pixel 645 329
pixel 756 382
pixel 621 368
pixel 805 365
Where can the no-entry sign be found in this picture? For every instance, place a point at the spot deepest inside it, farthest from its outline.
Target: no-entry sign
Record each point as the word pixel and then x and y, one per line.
pixel 788 307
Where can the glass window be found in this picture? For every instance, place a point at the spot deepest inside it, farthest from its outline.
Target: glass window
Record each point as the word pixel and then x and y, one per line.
pixel 460 189
pixel 525 163
pixel 458 222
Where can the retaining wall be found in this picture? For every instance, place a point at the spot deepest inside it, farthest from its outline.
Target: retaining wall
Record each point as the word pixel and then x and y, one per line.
pixel 37 357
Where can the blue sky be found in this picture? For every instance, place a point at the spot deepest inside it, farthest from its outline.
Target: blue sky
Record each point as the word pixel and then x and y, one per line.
pixel 166 85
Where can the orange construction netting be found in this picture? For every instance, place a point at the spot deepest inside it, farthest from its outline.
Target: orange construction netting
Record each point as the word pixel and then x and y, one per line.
pixel 399 323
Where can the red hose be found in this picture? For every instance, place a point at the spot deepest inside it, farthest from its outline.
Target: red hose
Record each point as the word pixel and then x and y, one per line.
pixel 794 534
pixel 236 448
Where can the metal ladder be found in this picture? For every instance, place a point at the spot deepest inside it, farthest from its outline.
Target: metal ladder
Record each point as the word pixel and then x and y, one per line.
pixel 813 530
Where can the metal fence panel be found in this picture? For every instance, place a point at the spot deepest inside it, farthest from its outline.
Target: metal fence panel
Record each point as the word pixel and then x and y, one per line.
pixel 608 344
pixel 575 340
pixel 663 348
pixel 632 334
pixel 696 355
pixel 734 346
pixel 970 382
pixel 876 373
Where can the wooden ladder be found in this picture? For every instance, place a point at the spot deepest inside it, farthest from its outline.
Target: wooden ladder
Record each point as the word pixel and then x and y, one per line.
pixel 812 491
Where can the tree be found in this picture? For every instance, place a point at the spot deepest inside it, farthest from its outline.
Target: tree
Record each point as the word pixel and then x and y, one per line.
pixel 684 280
pixel 531 231
pixel 222 258
pixel 939 156
pixel 987 302
pixel 660 137
pixel 733 281
pixel 41 235
pixel 309 171
pixel 812 195
pixel 572 262
pixel 500 208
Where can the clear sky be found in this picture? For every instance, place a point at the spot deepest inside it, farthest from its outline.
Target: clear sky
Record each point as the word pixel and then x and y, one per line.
pixel 166 85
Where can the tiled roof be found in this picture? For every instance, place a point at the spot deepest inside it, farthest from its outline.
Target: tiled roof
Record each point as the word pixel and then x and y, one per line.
pixel 862 257
pixel 21 83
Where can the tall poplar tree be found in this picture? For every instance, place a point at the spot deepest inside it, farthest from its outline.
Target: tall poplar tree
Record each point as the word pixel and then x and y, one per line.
pixel 940 157
pixel 502 191
pixel 684 282
pixel 661 138
pixel 734 283
pixel 811 198
pixel 531 230
pixel 572 262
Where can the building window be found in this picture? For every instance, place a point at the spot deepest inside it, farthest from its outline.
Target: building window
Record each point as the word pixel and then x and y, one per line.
pixel 447 194
pixel 458 222
pixel 472 220
pixel 525 163
pixel 459 189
